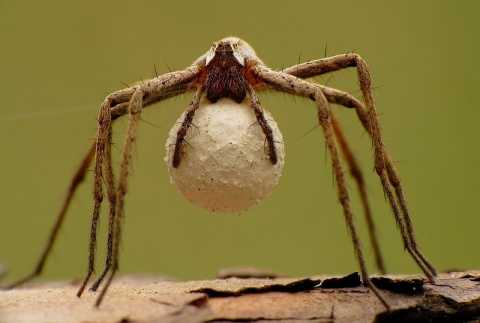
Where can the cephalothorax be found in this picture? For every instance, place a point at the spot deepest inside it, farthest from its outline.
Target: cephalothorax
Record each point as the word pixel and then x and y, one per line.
pixel 231 69
pixel 225 65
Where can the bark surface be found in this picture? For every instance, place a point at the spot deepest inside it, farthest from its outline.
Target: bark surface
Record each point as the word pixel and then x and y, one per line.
pixel 455 298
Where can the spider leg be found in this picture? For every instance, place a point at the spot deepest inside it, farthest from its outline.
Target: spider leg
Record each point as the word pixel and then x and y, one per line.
pixel 286 83
pixel 389 176
pixel 356 173
pixel 109 182
pixel 410 245
pixel 148 93
pixel 117 203
pixel 384 166
pixel 342 98
pixel 155 90
pixel 159 88
pixel 101 150
pixel 75 182
pixel 325 121
pixel 114 106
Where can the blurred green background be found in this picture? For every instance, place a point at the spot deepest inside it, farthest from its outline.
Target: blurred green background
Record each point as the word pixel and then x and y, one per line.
pixel 59 59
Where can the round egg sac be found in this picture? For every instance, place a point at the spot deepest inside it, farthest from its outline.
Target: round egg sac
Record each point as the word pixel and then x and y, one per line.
pixel 225 166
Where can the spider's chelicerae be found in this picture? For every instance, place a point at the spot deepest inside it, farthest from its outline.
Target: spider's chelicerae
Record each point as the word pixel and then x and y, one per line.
pixel 231 69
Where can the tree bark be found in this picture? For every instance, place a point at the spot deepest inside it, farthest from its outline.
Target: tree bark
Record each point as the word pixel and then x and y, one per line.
pixel 455 298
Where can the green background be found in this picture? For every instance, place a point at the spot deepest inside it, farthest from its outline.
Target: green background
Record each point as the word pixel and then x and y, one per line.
pixel 59 59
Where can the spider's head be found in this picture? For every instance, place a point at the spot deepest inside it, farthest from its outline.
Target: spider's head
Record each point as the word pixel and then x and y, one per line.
pixel 230 50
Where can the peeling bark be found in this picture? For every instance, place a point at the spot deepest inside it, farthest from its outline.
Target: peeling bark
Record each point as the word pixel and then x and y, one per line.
pixel 455 298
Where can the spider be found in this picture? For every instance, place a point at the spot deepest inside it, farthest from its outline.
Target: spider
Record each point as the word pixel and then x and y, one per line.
pixel 231 69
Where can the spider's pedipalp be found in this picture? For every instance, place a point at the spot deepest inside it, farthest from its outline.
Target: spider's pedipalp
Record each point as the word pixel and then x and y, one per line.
pixel 185 125
pixel 262 122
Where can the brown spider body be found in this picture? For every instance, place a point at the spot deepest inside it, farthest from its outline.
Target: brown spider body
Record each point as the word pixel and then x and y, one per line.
pixel 231 69
pixel 225 76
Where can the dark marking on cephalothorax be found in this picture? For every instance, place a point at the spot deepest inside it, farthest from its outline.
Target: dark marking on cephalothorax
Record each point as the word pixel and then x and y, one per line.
pixel 225 83
pixel 225 77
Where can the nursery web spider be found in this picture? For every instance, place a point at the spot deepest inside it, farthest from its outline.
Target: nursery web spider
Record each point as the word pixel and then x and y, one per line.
pixel 232 69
